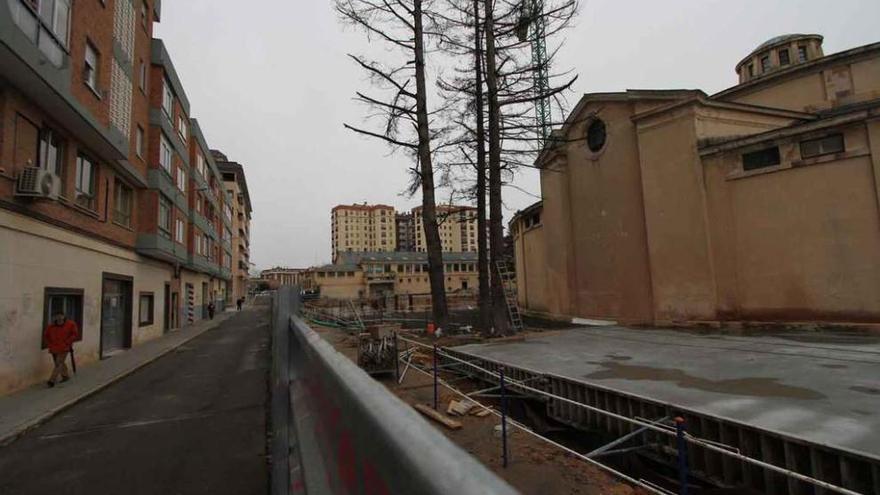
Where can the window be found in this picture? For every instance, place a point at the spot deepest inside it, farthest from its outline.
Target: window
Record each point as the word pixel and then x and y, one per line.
pixel 139 142
pixel 765 64
pixel 200 164
pixel 180 231
pixel 181 128
pixel 181 179
pixel 596 135
pixel 198 202
pixel 146 307
pixel 822 146
pixel 167 99
pixel 122 203
pixel 802 54
pixel 51 151
pixel 784 58
pixel 85 182
pixel 227 234
pixel 142 77
pixel 165 153
pixel 55 15
pixel 767 157
pixel 67 301
pixel 164 217
pixel 90 67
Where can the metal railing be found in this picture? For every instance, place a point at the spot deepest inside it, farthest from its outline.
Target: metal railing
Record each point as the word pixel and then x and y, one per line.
pixel 349 434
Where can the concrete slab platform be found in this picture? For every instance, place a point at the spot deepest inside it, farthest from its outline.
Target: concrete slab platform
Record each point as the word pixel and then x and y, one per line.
pixel 823 387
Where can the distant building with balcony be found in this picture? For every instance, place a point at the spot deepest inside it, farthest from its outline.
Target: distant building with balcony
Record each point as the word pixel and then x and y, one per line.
pixel 362 228
pixel 238 210
pixel 457 226
pixel 107 192
pixel 406 232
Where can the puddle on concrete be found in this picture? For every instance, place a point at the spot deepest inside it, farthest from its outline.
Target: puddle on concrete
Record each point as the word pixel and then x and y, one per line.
pixel 834 366
pixel 754 387
pixel 865 390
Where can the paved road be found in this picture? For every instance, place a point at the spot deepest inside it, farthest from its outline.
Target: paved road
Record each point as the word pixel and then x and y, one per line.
pixel 193 422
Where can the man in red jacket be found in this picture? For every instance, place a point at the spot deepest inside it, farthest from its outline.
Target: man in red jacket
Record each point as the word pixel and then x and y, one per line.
pixel 59 337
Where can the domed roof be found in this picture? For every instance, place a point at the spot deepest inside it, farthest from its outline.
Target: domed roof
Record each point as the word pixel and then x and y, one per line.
pixel 783 38
pixel 778 40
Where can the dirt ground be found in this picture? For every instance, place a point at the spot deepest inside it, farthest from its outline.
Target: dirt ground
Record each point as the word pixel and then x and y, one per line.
pixel 534 467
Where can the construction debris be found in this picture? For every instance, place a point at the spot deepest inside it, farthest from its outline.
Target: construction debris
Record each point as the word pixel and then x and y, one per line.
pixel 438 417
pixel 376 355
pixel 481 413
pixel 460 407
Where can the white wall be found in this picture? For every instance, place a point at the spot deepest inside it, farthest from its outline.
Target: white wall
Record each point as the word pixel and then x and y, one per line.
pixel 33 256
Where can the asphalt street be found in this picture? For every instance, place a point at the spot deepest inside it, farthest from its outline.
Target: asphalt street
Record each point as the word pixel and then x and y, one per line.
pixel 192 422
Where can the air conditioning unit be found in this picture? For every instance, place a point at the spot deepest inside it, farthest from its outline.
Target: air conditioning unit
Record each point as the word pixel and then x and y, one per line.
pixel 38 183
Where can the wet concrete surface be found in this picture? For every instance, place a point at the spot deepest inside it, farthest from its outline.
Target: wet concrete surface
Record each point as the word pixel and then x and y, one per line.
pixel 192 422
pixel 820 386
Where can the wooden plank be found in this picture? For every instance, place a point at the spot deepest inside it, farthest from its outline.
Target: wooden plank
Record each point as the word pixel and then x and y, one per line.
pixel 438 417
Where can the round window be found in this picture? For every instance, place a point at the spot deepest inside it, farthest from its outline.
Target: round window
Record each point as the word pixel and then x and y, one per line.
pixel 596 135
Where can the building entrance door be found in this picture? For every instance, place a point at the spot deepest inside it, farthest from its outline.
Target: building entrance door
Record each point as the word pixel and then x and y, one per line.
pixel 174 309
pixel 166 320
pixel 205 300
pixel 115 315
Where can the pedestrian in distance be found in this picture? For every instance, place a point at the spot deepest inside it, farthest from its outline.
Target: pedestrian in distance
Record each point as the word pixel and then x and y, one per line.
pixel 239 302
pixel 211 310
pixel 59 337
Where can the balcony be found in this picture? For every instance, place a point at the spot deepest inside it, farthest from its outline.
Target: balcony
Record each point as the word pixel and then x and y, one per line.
pixel 159 247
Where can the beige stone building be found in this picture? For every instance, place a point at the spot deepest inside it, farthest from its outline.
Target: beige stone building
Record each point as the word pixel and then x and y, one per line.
pixel 458 228
pixel 237 208
pixel 758 203
pixel 366 275
pixel 362 228
pixel 280 276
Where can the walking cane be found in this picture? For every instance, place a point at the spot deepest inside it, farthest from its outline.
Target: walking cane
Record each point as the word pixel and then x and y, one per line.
pixel 72 360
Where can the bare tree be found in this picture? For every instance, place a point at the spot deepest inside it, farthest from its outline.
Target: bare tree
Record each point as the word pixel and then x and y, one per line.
pixel 402 109
pixel 515 81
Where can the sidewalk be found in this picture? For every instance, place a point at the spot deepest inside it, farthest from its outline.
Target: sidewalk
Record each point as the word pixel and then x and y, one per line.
pixel 30 407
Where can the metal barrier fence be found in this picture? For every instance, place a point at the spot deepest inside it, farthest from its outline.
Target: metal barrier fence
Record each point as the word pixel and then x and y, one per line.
pixel 349 435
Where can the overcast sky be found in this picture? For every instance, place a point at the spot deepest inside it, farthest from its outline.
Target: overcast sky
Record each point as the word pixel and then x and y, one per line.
pixel 271 86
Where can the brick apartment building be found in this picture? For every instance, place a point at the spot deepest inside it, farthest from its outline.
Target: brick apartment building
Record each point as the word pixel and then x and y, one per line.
pixel 236 209
pixel 110 201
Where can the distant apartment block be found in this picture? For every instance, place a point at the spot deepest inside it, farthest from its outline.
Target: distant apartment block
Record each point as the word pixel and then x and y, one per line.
pixel 406 233
pixel 109 196
pixel 358 228
pixel 457 225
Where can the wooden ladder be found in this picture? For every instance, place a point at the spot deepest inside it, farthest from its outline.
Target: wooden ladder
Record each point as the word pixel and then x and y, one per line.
pixel 508 283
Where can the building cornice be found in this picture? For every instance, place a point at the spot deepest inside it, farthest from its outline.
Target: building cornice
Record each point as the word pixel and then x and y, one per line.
pixel 836 120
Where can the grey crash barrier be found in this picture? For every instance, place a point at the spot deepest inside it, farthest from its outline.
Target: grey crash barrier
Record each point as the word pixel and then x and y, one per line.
pixel 349 435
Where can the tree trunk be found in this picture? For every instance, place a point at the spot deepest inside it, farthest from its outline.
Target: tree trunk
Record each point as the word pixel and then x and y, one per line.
pixel 485 300
pixel 439 309
pixel 496 227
